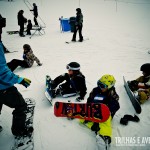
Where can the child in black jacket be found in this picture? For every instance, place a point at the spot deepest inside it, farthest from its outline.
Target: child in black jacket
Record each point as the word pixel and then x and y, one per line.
pixel 75 83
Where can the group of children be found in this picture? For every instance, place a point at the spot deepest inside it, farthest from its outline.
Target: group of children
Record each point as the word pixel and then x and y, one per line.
pixel 75 84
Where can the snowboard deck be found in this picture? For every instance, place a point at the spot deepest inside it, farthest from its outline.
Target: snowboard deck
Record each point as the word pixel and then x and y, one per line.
pixel 26 142
pixel 49 98
pixel 69 42
pixel 132 97
pixel 95 112
pixel 48 88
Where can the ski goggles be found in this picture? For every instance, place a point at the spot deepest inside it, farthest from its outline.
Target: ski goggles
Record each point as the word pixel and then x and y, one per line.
pixel 102 85
pixel 72 68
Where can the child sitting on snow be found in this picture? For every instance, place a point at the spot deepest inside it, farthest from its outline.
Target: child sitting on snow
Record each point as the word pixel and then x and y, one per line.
pixel 28 59
pixel 104 93
pixel 142 84
pixel 75 83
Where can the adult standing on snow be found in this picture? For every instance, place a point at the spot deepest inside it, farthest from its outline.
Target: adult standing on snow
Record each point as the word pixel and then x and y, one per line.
pixel 78 25
pixel 21 21
pixel 35 13
pixel 10 96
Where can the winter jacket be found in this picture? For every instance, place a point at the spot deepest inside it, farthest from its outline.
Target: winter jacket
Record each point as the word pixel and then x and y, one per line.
pixel 35 11
pixel 21 19
pixel 29 57
pixel 79 19
pixel 77 82
pixel 145 80
pixel 110 98
pixel 29 26
pixel 7 78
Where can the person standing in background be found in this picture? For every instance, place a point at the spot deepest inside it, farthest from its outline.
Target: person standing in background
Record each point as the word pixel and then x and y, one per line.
pixel 78 25
pixel 35 13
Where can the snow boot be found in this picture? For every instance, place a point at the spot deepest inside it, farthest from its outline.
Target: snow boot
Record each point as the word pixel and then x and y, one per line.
pixel 103 142
pixel 133 85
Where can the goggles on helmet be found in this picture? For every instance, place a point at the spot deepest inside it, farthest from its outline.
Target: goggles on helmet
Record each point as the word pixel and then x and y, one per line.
pixel 72 68
pixel 102 85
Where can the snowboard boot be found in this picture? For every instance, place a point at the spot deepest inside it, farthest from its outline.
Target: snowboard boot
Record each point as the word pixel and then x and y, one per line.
pixel 50 86
pixel 1 128
pixel 133 85
pixel 103 142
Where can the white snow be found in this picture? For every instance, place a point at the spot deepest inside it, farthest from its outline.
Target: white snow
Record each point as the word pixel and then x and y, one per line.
pixel 119 43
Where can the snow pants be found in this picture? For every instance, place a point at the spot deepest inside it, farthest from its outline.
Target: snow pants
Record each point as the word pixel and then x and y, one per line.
pixel 105 128
pixel 15 63
pixel 78 28
pixel 13 99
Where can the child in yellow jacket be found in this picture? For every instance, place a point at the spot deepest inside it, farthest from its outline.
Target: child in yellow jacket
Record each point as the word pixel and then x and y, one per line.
pixel 104 93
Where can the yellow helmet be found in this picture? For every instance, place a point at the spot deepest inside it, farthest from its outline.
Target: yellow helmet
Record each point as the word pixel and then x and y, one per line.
pixel 106 81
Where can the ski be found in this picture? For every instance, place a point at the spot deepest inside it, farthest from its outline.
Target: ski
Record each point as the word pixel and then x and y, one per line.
pixel 10 52
pixel 12 32
pixel 68 42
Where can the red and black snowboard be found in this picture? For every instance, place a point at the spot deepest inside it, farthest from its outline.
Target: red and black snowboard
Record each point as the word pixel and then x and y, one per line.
pixel 95 112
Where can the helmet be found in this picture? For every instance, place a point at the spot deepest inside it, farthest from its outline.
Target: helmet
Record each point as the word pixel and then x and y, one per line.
pixel 145 68
pixel 78 9
pixel 106 81
pixel 73 66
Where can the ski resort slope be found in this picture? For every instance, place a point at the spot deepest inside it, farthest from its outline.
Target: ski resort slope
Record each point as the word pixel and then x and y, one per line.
pixel 119 41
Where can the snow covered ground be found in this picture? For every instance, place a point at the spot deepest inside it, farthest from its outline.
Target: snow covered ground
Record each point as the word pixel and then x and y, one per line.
pixel 119 42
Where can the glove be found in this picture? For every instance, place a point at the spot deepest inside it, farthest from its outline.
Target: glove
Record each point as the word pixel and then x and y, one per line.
pixel 25 82
pixel 79 99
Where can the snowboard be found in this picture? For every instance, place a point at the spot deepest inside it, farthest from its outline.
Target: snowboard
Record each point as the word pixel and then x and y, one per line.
pixel 68 42
pixel 12 32
pixel 95 112
pixel 48 91
pixel 132 97
pixel 26 142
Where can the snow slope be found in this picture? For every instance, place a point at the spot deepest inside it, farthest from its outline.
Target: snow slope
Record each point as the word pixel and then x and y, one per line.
pixel 119 41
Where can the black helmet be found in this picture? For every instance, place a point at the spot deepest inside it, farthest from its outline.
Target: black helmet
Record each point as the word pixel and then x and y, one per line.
pixel 78 9
pixel 73 66
pixel 145 68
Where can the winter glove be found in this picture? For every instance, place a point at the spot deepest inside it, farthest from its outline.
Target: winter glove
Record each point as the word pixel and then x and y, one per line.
pixel 40 64
pixel 79 99
pixel 25 82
